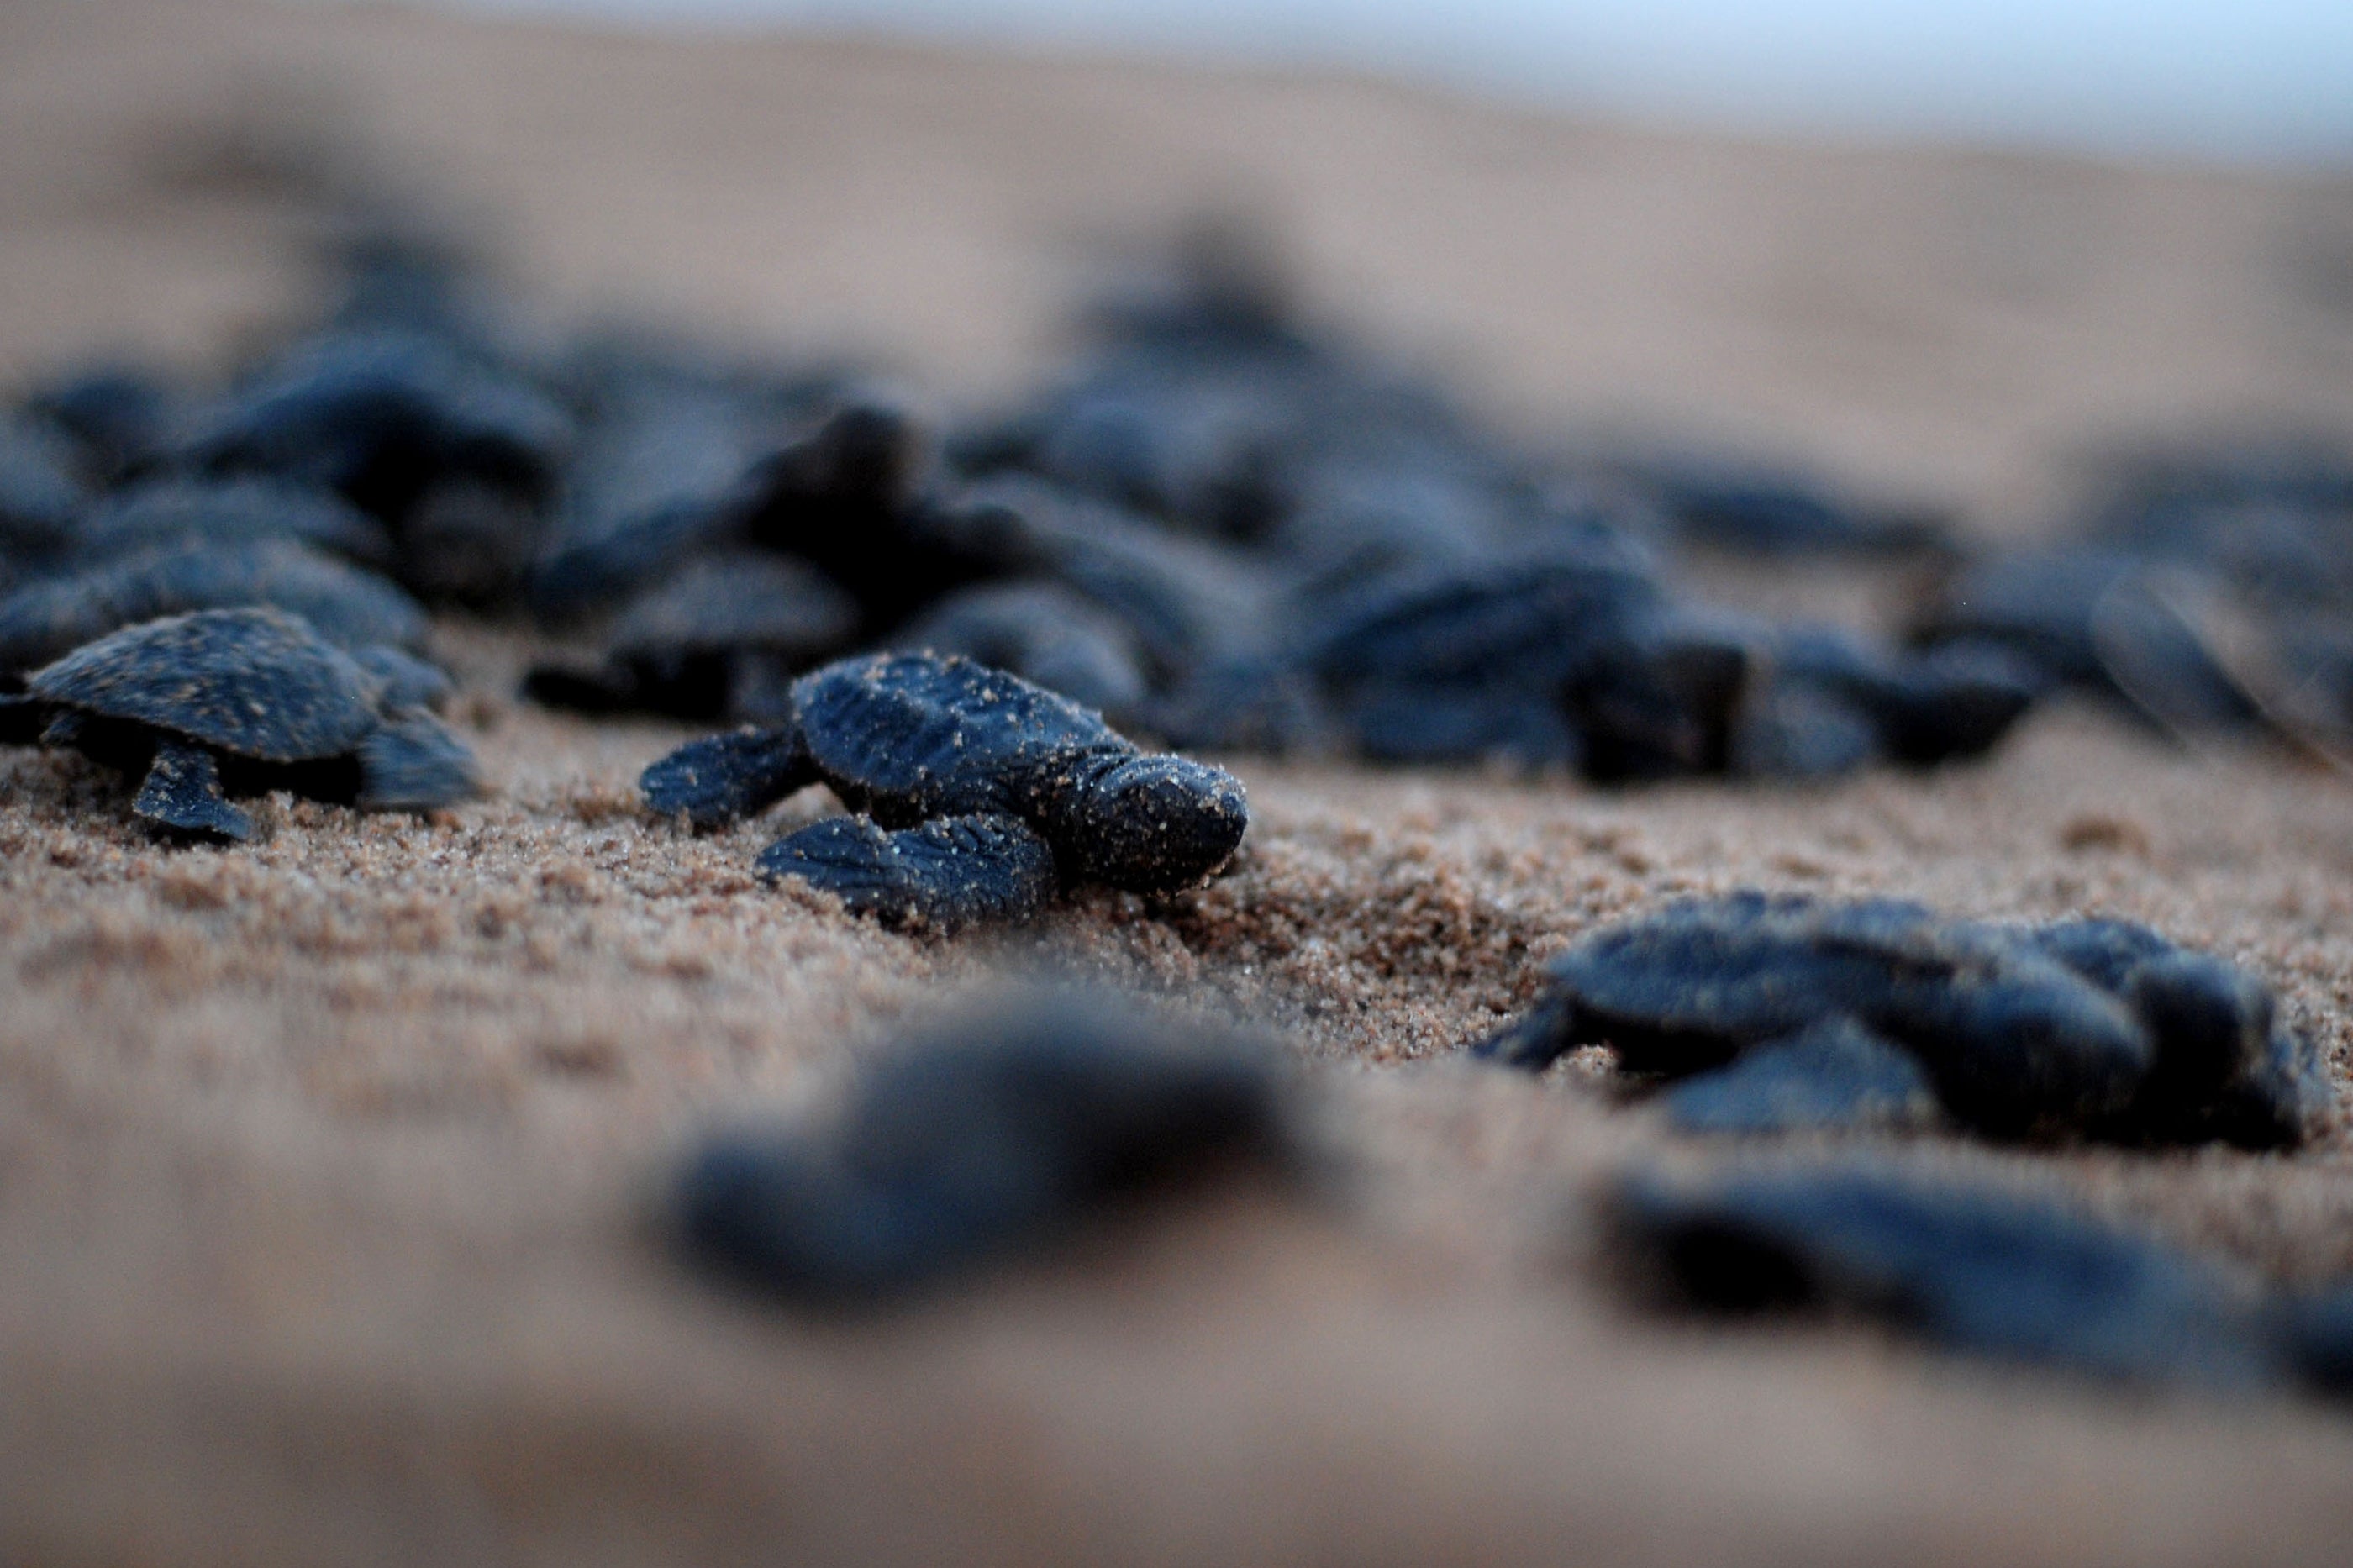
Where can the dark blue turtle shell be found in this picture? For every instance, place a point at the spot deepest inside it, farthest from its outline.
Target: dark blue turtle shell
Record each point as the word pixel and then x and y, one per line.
pixel 2095 1027
pixel 910 736
pixel 46 619
pixel 253 683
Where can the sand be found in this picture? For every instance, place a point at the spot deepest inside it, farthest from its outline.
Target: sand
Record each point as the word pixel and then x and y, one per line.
pixel 327 1165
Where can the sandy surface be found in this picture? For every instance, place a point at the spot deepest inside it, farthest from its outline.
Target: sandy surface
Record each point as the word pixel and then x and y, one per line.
pixel 324 1164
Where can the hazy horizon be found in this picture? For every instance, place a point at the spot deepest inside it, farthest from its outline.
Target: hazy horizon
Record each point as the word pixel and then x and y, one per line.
pixel 2268 81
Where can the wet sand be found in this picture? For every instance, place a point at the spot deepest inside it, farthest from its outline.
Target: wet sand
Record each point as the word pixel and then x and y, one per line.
pixel 326 1166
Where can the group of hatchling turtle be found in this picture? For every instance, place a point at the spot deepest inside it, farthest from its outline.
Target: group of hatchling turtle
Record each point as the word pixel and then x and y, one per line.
pixel 1228 530
pixel 977 794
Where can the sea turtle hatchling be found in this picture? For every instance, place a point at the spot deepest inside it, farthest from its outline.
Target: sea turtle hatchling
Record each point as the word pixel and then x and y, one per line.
pixel 47 619
pixel 224 702
pixel 987 1135
pixel 979 793
pixel 720 634
pixel 2093 1028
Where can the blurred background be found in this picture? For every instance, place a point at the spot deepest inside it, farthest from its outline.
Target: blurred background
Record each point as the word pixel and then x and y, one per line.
pixel 1933 250
pixel 2260 80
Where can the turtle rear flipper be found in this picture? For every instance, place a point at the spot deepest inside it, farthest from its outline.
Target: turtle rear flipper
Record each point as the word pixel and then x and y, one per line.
pixel 722 777
pixel 408 681
pixel 183 794
pixel 412 763
pixel 948 872
pixel 63 729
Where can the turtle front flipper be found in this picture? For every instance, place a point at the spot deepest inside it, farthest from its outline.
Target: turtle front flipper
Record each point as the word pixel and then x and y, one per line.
pixel 1537 1038
pixel 948 872
pixel 412 763
pixel 720 778
pixel 183 794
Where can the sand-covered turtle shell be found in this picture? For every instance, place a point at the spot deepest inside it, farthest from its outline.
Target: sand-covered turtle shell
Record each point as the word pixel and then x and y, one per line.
pixel 253 682
pixel 914 735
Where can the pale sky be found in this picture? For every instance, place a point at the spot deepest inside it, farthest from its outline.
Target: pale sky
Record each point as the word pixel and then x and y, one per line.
pixel 2258 79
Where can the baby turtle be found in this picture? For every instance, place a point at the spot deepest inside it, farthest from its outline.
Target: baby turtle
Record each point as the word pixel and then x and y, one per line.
pixel 118 416
pixel 1751 510
pixel 2132 629
pixel 1921 708
pixel 240 700
pixel 226 513
pixel 2093 1028
pixel 1043 632
pixel 980 793
pixel 49 618
pixel 2223 1068
pixel 1981 1271
pixel 40 494
pixel 709 643
pixel 379 415
pixel 999 1134
pixel 1573 654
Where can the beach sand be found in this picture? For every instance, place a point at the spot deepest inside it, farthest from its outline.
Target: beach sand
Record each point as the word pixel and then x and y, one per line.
pixel 329 1166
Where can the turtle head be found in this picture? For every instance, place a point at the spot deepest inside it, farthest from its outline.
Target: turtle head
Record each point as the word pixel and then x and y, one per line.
pixel 2209 1018
pixel 1152 823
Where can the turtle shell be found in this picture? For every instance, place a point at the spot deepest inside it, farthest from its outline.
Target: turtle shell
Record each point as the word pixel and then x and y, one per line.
pixel 45 620
pixel 228 512
pixel 737 599
pixel 915 735
pixel 1041 631
pixel 253 682
pixel 1534 623
pixel 2009 1036
pixel 39 494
